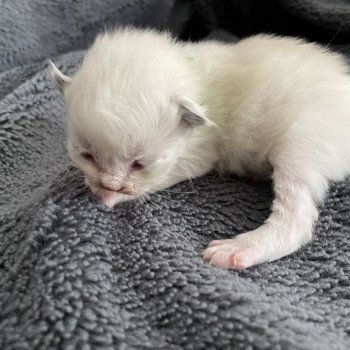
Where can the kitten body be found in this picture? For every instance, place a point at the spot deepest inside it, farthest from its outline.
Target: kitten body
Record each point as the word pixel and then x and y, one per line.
pixel 146 112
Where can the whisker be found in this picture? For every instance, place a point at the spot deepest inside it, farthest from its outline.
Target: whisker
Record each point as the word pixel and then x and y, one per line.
pixel 169 191
pixel 179 192
pixel 167 197
pixel 159 195
pixel 155 204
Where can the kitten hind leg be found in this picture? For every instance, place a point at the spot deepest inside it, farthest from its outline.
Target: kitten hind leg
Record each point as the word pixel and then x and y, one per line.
pixel 288 227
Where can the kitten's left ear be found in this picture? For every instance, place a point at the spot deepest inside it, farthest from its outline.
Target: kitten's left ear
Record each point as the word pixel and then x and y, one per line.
pixel 192 114
pixel 59 78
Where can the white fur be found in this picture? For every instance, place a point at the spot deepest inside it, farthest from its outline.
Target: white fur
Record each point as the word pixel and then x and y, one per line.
pixel 281 107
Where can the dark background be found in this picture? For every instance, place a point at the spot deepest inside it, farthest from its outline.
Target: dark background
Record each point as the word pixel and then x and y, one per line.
pixel 317 20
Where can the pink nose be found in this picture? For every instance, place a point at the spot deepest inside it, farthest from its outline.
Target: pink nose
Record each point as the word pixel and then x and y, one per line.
pixel 113 189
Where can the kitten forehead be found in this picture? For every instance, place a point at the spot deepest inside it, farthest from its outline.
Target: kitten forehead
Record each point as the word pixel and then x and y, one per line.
pixel 130 122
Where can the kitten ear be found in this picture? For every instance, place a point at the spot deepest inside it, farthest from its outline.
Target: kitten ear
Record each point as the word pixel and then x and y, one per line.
pixel 192 114
pixel 59 78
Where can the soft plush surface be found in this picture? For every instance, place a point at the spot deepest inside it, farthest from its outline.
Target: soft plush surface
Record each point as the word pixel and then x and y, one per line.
pixel 76 275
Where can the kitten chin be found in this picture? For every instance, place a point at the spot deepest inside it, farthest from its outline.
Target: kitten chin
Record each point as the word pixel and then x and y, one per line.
pixel 110 199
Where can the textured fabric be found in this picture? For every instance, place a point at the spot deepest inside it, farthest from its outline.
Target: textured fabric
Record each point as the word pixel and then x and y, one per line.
pixel 77 275
pixel 37 29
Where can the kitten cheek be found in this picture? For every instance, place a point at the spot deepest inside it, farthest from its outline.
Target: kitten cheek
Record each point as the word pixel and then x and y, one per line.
pixel 90 185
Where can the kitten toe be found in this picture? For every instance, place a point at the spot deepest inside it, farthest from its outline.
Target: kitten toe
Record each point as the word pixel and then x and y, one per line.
pixel 231 259
pixel 231 254
pixel 209 252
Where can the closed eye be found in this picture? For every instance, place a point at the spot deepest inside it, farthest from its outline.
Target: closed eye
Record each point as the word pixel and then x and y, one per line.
pixel 136 165
pixel 89 157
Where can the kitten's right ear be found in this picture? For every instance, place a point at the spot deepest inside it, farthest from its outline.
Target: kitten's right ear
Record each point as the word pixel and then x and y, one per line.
pixel 192 114
pixel 59 78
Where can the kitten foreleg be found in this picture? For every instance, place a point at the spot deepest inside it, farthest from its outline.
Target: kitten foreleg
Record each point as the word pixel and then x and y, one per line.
pixel 288 227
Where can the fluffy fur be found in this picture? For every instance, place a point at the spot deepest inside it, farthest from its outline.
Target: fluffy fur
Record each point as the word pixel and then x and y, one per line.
pixel 146 112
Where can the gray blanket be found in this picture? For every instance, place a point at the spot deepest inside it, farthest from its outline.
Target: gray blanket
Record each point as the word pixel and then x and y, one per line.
pixel 77 275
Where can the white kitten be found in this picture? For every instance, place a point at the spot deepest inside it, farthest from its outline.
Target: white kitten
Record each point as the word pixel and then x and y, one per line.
pixel 146 112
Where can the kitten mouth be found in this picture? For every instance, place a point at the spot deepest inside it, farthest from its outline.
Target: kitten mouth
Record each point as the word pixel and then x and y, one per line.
pixel 109 196
pixel 111 190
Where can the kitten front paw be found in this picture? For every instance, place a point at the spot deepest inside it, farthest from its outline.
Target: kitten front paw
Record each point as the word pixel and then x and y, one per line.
pixel 266 243
pixel 231 254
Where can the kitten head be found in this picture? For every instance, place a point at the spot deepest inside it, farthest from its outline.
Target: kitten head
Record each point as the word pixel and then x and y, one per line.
pixel 131 113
